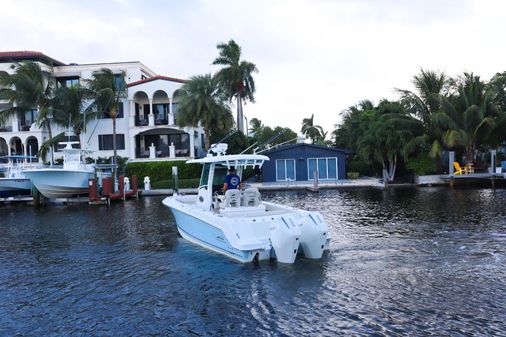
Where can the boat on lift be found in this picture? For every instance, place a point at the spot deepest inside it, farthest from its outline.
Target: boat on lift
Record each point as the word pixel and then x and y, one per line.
pixel 15 183
pixel 66 182
pixel 239 224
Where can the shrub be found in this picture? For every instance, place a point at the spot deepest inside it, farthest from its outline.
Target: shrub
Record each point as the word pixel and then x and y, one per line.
pixel 122 162
pixel 162 170
pixel 353 175
pixel 183 183
pixel 421 164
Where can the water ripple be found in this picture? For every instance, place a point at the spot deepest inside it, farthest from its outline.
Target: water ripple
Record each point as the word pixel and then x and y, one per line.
pixel 402 262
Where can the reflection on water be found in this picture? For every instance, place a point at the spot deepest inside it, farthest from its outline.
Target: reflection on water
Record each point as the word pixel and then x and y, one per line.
pixel 403 261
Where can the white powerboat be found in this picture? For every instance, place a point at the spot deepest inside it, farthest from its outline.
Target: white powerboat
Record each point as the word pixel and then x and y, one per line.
pixel 15 183
pixel 66 182
pixel 239 224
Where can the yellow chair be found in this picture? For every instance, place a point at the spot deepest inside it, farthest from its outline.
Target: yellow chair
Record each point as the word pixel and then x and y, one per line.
pixel 469 168
pixel 458 169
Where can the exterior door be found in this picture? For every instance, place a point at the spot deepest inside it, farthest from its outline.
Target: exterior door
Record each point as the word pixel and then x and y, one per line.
pixel 285 170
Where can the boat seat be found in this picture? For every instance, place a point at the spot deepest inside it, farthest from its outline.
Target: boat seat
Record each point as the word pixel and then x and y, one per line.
pixel 232 198
pixel 251 197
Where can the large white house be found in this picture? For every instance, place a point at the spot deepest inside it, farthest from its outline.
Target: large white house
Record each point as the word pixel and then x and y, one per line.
pixel 146 124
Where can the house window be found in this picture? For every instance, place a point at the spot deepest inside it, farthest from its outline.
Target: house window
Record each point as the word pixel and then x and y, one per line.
pixel 326 168
pixel 68 82
pixel 27 119
pixel 161 112
pixel 285 169
pixel 106 114
pixel 119 81
pixel 105 142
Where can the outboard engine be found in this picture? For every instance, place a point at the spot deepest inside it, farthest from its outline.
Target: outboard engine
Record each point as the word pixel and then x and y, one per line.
pixel 284 236
pixel 314 235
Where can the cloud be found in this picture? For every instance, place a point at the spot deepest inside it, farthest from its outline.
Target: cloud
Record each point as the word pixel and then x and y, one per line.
pixel 313 56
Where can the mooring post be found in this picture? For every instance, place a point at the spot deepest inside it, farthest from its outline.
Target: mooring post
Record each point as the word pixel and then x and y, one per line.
pixel 36 197
pixel 493 158
pixel 315 181
pixel 175 180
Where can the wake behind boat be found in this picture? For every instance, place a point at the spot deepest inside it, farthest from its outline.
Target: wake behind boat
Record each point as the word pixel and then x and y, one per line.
pixel 239 224
pixel 66 182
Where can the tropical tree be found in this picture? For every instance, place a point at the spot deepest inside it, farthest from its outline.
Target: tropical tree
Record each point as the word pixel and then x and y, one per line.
pixel 29 87
pixel 71 110
pixel 202 101
pixel 431 88
pixel 263 135
pixel 469 116
pixel 390 128
pixel 353 125
pixel 236 77
pixel 108 91
pixel 497 92
pixel 313 132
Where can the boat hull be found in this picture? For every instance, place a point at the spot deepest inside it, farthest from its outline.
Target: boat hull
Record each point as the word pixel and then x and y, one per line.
pixel 59 183
pixel 12 187
pixel 204 234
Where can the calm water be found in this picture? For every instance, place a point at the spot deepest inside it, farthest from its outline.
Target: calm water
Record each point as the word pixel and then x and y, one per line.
pixel 402 262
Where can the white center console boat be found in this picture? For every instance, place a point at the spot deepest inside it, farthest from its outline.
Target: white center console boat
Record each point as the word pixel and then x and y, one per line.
pixel 239 224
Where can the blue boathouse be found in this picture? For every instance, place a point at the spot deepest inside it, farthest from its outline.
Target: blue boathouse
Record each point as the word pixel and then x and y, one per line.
pixel 298 162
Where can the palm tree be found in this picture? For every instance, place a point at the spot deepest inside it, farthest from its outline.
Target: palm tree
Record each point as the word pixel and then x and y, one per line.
pixel 108 90
pixel 69 109
pixel 390 128
pixel 202 101
pixel 29 87
pixel 431 88
pixel 314 132
pixel 468 116
pixel 236 77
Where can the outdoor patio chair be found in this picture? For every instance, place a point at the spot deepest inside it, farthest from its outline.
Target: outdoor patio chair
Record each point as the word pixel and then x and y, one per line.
pixel 458 169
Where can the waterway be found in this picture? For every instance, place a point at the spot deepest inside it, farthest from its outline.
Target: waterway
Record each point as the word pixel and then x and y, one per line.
pixel 402 262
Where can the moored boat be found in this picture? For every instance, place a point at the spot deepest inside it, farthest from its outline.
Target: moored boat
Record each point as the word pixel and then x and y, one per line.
pixel 15 183
pixel 239 224
pixel 66 182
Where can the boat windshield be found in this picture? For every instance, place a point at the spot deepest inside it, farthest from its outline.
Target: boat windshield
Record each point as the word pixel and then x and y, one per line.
pixel 205 174
pixel 220 172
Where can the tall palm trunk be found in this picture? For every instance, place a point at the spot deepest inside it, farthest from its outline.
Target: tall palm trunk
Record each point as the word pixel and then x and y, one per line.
pixel 50 133
pixel 207 140
pixel 240 115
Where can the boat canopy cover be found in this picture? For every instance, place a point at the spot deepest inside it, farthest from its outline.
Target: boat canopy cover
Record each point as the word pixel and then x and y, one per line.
pixel 233 160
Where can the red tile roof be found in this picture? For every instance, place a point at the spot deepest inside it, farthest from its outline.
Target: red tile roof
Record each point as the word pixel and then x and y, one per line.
pixel 157 77
pixel 25 55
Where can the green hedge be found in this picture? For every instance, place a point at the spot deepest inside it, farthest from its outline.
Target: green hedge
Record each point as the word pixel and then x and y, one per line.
pixel 183 183
pixel 162 170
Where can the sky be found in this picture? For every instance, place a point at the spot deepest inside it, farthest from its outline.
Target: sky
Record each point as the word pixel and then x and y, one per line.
pixel 314 56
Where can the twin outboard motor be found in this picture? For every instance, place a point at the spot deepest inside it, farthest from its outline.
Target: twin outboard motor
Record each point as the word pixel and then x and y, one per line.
pixel 305 231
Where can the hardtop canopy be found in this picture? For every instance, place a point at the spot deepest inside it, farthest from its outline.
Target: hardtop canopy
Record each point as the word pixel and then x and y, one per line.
pixel 235 160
